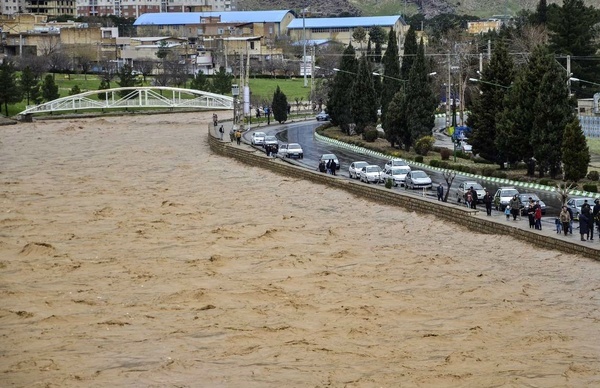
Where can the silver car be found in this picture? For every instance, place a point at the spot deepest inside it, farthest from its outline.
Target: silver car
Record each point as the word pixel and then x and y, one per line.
pixel 396 174
pixel 258 138
pixel 354 169
pixel 396 162
pixel 370 174
pixel 461 192
pixel 575 204
pixel 418 179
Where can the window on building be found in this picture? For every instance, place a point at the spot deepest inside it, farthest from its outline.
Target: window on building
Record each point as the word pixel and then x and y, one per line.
pixel 251 45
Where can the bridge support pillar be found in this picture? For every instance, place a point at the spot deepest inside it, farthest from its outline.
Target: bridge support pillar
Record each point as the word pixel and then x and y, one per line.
pixel 26 118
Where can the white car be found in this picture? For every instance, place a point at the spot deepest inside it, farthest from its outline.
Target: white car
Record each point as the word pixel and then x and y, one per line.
pixel 258 138
pixel 417 179
pixel 272 140
pixel 396 174
pixel 354 169
pixel 396 163
pixel 370 174
pixel 466 147
pixel 291 150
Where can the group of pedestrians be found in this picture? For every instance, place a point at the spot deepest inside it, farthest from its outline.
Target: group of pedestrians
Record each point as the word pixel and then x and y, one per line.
pixel 534 214
pixel 330 167
pixel 588 218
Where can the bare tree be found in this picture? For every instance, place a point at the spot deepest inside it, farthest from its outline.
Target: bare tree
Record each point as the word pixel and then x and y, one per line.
pixel 49 45
pixel 449 178
pixel 58 61
pixel 563 191
pixel 84 57
pixel 145 66
pixel 37 65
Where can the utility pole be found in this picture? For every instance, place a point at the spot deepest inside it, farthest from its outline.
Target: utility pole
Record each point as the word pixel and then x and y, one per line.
pixel 569 74
pixel 304 45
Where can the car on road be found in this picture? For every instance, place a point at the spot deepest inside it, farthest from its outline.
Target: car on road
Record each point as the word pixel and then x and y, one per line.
pixel 461 192
pixel 396 163
pixel 327 157
pixel 575 204
pixel 271 140
pixel 525 197
pixel 370 174
pixel 291 150
pixel 466 147
pixel 417 179
pixel 396 174
pixel 503 196
pixel 258 138
pixel 322 116
pixel 354 169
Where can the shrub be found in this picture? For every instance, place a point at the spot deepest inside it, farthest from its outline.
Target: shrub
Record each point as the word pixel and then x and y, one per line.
pixel 389 183
pixel 419 158
pixel 444 165
pixel 370 134
pixel 480 160
pixel 593 176
pixel 545 182
pixel 445 153
pixel 499 174
pixel 488 171
pixel 74 90
pixel 592 188
pixel 424 145
pixel 434 163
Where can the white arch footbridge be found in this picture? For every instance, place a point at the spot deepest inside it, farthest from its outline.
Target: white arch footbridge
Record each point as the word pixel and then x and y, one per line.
pixel 135 97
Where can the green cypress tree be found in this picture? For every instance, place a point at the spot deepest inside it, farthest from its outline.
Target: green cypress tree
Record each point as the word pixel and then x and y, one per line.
pixel 10 92
pixel 27 83
pixel 104 84
pixel 391 83
pixel 340 100
pixel 279 105
pixel 487 105
pixel 411 47
pixel 49 88
pixel 573 31
pixel 222 82
pixel 126 79
pixel 553 110
pixel 421 101
pixel 395 121
pixel 575 152
pixel 364 108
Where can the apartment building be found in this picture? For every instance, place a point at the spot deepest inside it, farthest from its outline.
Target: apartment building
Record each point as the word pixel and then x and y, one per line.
pixel 136 8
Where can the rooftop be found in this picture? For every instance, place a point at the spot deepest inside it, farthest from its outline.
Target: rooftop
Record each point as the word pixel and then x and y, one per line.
pixel 363 21
pixel 178 18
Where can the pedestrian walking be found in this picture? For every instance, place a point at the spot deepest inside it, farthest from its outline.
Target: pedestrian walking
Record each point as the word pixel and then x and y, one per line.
pixel 221 132
pixel 537 215
pixel 333 167
pixel 596 214
pixel 565 219
pixel 440 192
pixel 583 227
pixel 238 137
pixel 487 201
pixel 507 213
pixel 515 207
pixel 474 198
pixel 586 210
pixel 328 165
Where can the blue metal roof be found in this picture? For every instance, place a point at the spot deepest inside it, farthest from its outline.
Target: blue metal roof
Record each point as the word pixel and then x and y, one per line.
pixel 363 21
pixel 178 18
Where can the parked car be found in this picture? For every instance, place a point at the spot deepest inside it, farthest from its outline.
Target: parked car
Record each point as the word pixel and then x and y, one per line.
pixel 396 163
pixel 466 147
pixel 575 204
pixel 291 150
pixel 461 192
pixel 272 140
pixel 370 174
pixel 258 138
pixel 503 196
pixel 354 169
pixel 525 197
pixel 327 157
pixel 417 179
pixel 396 174
pixel 322 116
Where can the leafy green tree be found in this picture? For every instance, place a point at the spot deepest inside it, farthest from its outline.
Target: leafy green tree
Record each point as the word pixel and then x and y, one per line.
pixel 575 152
pixel 201 82
pixel 395 122
pixel 410 51
pixel 163 49
pixel 126 79
pixel 340 100
pixel 364 101
pixel 541 13
pixel 421 100
pixel 10 92
pixel 553 110
pixel 279 106
pixel 28 82
pixel 49 88
pixel 391 83
pixel 378 36
pixel 573 31
pixel 222 82
pixel 489 103
pixel 359 35
pixel 36 94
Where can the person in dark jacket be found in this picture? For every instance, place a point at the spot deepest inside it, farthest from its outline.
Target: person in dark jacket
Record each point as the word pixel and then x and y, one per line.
pixel 596 214
pixel 333 167
pixel 440 192
pixel 488 199
pixel 586 210
pixel 583 226
pixel 474 198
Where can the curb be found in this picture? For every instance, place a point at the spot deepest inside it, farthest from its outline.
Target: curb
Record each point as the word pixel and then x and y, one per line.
pixel 502 181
